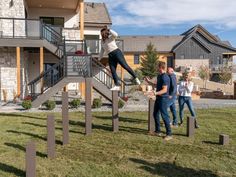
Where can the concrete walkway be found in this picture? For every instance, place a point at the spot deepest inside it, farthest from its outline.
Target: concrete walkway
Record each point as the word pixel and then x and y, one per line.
pixel 198 104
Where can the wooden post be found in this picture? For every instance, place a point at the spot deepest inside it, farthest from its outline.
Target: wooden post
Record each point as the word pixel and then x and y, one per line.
pixel 65 118
pixel 50 136
pixel 235 90
pixel 41 61
pixel 81 19
pixel 223 139
pixel 190 126
pixel 88 107
pixel 18 71
pixel 151 122
pixel 115 112
pixel 30 160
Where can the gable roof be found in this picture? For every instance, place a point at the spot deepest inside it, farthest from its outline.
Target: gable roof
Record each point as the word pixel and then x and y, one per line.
pixel 96 14
pixel 211 38
pixel 139 43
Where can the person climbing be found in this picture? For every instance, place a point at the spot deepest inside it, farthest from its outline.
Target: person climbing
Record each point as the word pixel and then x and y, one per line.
pixel 115 56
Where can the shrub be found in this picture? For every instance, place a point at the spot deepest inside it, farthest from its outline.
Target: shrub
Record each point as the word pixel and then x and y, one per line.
pixel 97 103
pixel 75 103
pixel 50 105
pixel 121 104
pixel 27 104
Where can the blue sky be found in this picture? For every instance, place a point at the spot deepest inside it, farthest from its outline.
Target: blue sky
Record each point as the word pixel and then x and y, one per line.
pixel 173 17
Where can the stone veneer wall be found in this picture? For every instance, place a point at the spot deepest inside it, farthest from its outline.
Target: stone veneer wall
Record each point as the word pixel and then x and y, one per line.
pixel 8 79
pixel 194 63
pixel 16 9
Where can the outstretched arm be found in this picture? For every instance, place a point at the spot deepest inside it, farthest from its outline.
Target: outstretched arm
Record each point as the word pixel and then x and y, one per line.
pixel 114 34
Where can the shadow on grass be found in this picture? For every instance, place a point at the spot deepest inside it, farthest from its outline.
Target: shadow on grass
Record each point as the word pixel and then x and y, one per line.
pixel 210 142
pixel 11 169
pixel 21 115
pixel 44 126
pixel 107 127
pixel 122 119
pixel 170 170
pixel 17 146
pixel 33 135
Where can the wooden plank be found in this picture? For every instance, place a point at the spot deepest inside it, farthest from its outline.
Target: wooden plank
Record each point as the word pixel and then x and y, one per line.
pixel 151 122
pixel 88 106
pixel 115 111
pixel 65 117
pixel 30 160
pixel 51 136
pixel 190 126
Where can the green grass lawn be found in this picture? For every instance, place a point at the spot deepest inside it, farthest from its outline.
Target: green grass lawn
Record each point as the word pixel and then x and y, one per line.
pixel 131 152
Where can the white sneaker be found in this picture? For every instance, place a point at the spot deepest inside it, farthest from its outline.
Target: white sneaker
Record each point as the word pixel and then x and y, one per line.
pixel 137 81
pixel 115 88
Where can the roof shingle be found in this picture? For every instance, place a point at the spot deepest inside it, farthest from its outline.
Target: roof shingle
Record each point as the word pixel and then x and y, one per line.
pixel 139 43
pixel 96 13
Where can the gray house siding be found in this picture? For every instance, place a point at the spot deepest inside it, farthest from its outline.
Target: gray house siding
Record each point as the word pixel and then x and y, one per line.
pixel 216 51
pixel 191 49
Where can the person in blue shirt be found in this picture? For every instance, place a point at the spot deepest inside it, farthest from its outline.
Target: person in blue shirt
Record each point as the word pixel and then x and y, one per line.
pixel 162 101
pixel 173 94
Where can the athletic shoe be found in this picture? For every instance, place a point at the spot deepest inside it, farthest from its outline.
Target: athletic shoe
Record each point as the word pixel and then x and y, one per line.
pixel 168 137
pixel 173 126
pixel 137 81
pixel 156 134
pixel 115 88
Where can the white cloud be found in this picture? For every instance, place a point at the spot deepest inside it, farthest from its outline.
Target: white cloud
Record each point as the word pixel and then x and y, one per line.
pixel 147 13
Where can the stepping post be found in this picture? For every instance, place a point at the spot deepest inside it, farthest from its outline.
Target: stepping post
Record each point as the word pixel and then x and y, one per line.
pixel 190 126
pixel 65 118
pixel 223 139
pixel 51 136
pixel 30 160
pixel 88 107
pixel 115 112
pixel 151 123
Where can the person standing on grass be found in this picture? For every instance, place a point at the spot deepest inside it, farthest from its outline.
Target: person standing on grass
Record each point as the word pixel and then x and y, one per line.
pixel 115 56
pixel 185 89
pixel 162 101
pixel 173 93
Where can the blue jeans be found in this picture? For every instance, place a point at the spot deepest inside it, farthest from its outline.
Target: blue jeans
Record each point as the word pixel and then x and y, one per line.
pixel 173 110
pixel 116 57
pixel 160 107
pixel 188 100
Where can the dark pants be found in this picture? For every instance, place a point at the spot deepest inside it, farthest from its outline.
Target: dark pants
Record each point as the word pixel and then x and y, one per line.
pixel 173 110
pixel 161 107
pixel 188 100
pixel 116 57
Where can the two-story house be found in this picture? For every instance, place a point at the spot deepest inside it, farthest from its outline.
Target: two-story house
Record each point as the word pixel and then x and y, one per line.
pixel 191 49
pixel 31 33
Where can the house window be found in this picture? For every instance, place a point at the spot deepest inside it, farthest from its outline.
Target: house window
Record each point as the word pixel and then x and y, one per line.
pixel 55 21
pixel 201 56
pixel 182 56
pixel 136 59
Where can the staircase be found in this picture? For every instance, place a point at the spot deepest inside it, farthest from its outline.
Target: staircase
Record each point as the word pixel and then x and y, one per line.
pixel 71 68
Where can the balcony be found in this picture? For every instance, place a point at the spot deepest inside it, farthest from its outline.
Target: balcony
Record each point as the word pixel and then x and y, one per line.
pixel 20 28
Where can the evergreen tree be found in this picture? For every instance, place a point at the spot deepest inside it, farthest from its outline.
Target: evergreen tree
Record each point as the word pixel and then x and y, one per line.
pixel 149 62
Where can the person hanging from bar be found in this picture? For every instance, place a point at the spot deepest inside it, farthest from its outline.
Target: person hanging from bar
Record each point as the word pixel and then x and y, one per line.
pixel 115 56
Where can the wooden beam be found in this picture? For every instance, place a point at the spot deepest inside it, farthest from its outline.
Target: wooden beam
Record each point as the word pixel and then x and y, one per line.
pixel 41 61
pixel 81 19
pixel 18 71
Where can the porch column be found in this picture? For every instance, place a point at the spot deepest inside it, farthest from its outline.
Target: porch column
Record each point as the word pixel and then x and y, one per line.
pixel 18 71
pixel 41 61
pixel 81 19
pixel 81 25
